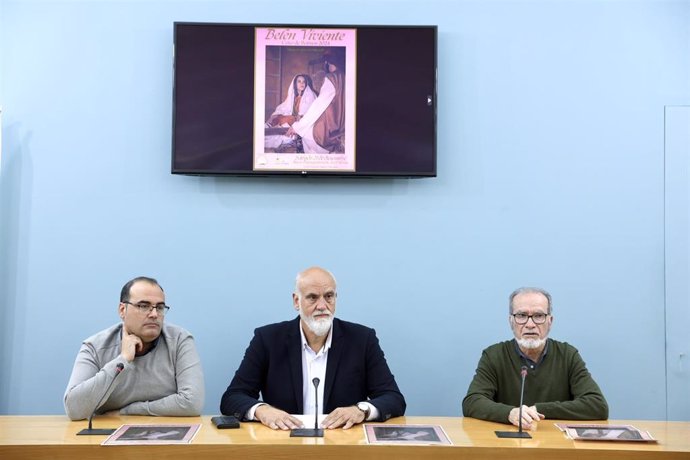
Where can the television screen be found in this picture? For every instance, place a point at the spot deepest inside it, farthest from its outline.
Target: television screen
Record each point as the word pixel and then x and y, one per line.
pixel 317 100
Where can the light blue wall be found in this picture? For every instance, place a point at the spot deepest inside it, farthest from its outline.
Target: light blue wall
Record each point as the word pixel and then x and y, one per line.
pixel 677 258
pixel 551 173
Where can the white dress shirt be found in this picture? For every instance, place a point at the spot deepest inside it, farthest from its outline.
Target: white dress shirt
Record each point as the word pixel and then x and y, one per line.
pixel 314 366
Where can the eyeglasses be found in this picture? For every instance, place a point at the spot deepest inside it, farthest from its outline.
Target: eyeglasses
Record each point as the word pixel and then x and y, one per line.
pixel 146 307
pixel 538 318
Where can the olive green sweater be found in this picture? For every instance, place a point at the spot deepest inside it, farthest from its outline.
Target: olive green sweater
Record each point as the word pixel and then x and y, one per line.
pixel 561 387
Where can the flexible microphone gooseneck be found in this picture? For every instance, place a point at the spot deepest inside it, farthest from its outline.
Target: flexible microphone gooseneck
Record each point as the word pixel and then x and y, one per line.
pixel 103 431
pixel 315 432
pixel 315 381
pixel 523 374
pixel 519 433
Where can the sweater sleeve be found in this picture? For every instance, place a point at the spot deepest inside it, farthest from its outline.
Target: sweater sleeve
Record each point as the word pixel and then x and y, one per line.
pixel 479 402
pixel 587 401
pixel 88 383
pixel 189 377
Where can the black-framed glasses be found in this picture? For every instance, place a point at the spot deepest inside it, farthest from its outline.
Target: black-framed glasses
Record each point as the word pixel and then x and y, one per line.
pixel 537 318
pixel 146 307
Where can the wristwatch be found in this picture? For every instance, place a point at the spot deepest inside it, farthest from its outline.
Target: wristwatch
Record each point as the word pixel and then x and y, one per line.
pixel 364 407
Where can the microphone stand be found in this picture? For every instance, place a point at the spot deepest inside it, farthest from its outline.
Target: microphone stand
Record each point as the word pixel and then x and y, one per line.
pixel 315 432
pixel 102 431
pixel 519 433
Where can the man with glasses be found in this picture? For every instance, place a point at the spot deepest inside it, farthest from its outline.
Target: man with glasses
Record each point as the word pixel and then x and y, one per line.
pixel 284 360
pixel 162 372
pixel 557 385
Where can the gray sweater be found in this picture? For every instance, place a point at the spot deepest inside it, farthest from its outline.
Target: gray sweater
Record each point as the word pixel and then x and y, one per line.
pixel 167 381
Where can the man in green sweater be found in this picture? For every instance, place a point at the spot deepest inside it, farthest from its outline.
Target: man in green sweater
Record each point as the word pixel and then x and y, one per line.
pixel 558 384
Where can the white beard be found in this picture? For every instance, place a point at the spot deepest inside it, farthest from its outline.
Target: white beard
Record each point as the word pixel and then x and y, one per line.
pixel 531 344
pixel 320 327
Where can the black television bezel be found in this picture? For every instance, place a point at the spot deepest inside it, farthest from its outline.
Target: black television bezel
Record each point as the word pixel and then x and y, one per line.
pixel 289 173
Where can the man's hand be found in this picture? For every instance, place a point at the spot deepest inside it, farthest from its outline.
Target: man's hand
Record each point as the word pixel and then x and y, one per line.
pixel 275 418
pixel 290 132
pixel 343 416
pixel 130 344
pixel 530 417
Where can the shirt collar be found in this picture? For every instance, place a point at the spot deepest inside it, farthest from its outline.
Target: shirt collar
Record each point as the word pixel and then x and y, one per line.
pixel 326 345
pixel 527 360
pixel 153 345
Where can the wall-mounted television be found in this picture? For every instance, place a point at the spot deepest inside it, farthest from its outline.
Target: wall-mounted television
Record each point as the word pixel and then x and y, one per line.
pixel 304 100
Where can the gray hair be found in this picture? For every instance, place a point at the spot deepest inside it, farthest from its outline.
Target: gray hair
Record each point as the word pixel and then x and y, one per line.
pixel 300 275
pixel 528 290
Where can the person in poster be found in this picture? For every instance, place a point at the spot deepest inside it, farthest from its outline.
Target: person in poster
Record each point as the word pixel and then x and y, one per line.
pixel 300 96
pixel 322 127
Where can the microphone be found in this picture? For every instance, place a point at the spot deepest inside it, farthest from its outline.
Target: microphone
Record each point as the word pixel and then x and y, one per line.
pixel 519 433
pixel 523 374
pixel 315 381
pixel 316 432
pixel 103 431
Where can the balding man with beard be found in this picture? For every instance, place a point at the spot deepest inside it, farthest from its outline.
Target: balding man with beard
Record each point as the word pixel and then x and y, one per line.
pixel 557 384
pixel 283 359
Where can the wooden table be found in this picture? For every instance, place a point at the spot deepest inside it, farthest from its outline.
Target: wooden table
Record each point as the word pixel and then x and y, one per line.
pixel 54 437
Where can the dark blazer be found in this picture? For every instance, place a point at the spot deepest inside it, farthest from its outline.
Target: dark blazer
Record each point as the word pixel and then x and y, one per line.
pixel 356 371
